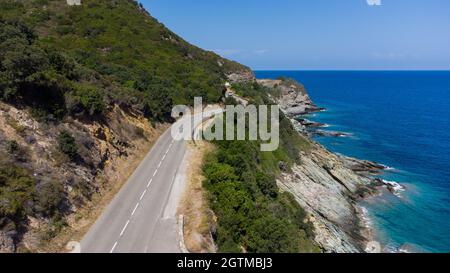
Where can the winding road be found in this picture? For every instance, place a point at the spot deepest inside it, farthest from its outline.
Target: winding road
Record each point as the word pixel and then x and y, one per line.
pixel 142 216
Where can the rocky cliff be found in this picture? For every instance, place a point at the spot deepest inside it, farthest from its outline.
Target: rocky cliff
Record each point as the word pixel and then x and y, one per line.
pixel 291 96
pixel 241 75
pixel 327 185
pixel 105 151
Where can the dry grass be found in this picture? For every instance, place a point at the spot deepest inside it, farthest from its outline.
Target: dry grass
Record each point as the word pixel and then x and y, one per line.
pixel 118 171
pixel 194 205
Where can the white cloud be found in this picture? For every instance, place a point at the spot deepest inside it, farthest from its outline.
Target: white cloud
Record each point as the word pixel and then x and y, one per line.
pixel 374 2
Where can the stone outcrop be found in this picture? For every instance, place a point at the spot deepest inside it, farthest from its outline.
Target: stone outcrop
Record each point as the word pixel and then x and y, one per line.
pixel 291 97
pixel 326 188
pixel 325 184
pixel 241 76
pixel 361 166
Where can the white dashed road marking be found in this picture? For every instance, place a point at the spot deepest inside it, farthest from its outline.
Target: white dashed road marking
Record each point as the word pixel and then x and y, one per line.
pixel 114 247
pixel 149 182
pixel 142 195
pixel 135 208
pixel 124 228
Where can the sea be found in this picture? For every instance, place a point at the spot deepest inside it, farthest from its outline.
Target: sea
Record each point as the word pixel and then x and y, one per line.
pixel 400 119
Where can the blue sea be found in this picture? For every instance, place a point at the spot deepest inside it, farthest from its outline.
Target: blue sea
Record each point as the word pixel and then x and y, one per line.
pixel 400 119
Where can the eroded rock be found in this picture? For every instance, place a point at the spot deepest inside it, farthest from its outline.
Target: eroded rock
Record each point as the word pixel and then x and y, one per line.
pixel 6 243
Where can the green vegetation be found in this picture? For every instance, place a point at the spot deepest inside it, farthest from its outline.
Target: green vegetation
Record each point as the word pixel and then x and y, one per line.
pixel 49 197
pixel 241 180
pixel 21 195
pixel 29 74
pixel 253 91
pixel 86 98
pixel 67 145
pixel 251 211
pixel 62 59
pixel 16 191
pixel 58 60
pixel 12 147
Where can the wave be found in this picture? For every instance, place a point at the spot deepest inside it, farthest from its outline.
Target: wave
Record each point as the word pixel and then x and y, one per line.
pixel 388 168
pixel 395 187
pixel 365 217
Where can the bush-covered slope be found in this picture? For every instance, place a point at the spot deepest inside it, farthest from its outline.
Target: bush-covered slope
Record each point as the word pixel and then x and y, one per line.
pixel 82 72
pixel 75 83
pixel 253 215
pixel 103 51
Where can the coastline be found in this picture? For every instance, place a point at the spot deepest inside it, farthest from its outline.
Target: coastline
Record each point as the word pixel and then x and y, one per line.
pixel 344 181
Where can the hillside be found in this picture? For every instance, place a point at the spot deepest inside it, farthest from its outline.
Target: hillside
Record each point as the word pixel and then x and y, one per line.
pixel 84 92
pixel 109 49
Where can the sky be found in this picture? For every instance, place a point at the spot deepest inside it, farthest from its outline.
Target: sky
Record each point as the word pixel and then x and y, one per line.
pixel 315 34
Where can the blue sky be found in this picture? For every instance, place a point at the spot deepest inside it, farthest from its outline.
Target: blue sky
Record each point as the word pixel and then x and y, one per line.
pixel 315 34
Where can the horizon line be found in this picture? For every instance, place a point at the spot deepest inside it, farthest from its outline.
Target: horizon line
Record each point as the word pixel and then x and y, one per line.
pixel 393 70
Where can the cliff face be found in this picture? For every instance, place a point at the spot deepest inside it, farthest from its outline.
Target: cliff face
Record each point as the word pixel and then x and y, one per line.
pixel 291 97
pixel 325 184
pixel 241 76
pixel 325 187
pixel 106 151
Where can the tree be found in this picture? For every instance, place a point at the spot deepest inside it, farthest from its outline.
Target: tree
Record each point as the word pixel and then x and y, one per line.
pixel 158 104
pixel 28 73
pixel 267 184
pixel 218 172
pixel 271 235
pixel 86 99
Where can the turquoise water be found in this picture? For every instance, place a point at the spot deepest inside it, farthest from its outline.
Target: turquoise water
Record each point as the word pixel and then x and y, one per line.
pixel 400 119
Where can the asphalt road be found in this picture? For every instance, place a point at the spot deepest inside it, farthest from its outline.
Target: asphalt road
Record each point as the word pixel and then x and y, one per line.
pixel 136 220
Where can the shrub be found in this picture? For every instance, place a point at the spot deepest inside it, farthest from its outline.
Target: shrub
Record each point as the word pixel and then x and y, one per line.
pixel 49 196
pixel 87 99
pixel 217 172
pixel 12 147
pixel 152 68
pixel 267 184
pixel 251 212
pixel 27 73
pixel 272 235
pixel 16 190
pixel 67 145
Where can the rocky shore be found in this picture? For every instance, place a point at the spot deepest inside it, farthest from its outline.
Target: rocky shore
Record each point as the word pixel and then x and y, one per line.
pixel 327 185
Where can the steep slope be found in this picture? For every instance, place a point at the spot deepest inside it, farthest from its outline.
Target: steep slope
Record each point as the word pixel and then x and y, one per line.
pixel 84 92
pixel 326 185
pixel 121 48
pixel 319 191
